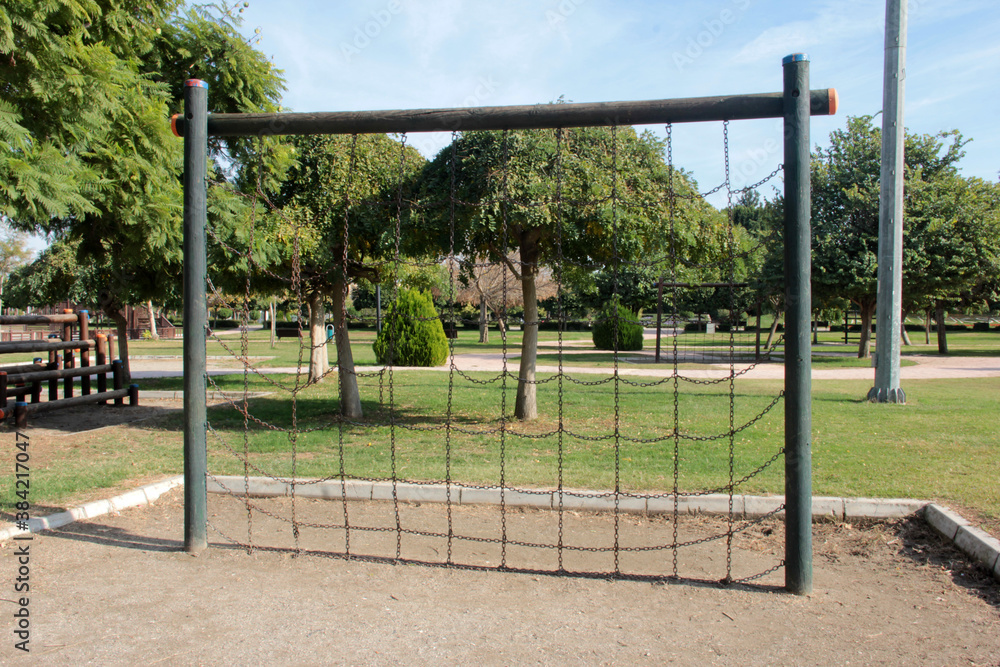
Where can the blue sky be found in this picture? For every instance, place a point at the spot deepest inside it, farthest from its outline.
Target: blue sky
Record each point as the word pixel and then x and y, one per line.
pixel 385 54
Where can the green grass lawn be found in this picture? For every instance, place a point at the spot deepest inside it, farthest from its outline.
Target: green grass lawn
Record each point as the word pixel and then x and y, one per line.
pixel 941 445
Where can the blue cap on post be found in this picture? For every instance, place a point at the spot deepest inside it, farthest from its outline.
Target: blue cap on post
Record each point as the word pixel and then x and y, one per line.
pixel 196 83
pixel 795 58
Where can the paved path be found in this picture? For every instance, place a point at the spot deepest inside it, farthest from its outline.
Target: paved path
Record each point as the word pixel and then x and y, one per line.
pixel 927 367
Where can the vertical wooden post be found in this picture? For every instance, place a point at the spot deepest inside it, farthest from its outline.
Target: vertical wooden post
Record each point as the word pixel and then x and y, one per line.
pixel 69 359
pixel 798 351
pixel 54 357
pixel 20 414
pixel 3 389
pixel 84 319
pixel 54 382
pixel 36 386
pixel 102 359
pixel 133 395
pixel 195 320
pixel 756 351
pixel 118 378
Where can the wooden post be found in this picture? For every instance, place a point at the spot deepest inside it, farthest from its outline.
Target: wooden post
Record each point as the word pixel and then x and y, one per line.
pixel 54 382
pixel 36 386
pixel 195 307
pixel 54 356
pixel 3 390
pixel 84 352
pixel 756 352
pixel 102 359
pixel 118 378
pixel 69 360
pixel 798 350
pixel 133 395
pixel 20 414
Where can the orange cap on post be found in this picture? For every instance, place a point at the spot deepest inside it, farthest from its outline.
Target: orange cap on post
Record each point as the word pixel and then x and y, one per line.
pixel 834 101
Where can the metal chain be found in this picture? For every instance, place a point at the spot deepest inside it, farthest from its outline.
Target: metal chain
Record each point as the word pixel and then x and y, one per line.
pixel 673 316
pixel 560 445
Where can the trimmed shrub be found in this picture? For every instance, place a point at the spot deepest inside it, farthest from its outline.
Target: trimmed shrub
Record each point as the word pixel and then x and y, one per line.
pixel 615 318
pixel 412 328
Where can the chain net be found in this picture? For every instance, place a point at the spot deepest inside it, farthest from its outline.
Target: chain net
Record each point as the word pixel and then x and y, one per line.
pixel 518 239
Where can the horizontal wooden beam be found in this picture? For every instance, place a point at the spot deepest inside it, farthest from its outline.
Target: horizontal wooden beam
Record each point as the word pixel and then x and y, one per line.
pixel 45 345
pixel 79 371
pixel 35 408
pixel 653 112
pixel 60 318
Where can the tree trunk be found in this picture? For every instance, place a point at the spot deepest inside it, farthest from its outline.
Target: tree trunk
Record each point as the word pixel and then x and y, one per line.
pixel 272 309
pixel 942 334
pixel 773 331
pixel 484 321
pixel 867 313
pixel 319 362
pixel 927 327
pixel 526 405
pixel 350 399
pixel 902 328
pixel 152 321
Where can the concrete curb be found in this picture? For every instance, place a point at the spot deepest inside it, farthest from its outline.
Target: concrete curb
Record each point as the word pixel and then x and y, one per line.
pixel 211 395
pixel 577 499
pixel 142 496
pixel 975 543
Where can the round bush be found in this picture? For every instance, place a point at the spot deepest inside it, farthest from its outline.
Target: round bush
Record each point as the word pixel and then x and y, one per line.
pixel 615 318
pixel 412 329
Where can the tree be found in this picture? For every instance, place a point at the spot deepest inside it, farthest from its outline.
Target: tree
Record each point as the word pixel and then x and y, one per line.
pixel 92 88
pixel 56 275
pixel 13 255
pixel 493 288
pixel 845 208
pixel 548 196
pixel 332 201
pixel 952 246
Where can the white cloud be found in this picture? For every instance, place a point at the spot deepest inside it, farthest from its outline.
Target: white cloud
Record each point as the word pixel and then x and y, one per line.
pixel 842 22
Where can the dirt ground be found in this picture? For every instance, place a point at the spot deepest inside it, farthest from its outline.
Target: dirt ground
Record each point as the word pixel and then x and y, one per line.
pixel 120 590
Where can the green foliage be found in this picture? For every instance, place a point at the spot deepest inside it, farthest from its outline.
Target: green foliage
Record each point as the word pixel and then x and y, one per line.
pixel 412 334
pixel 56 275
pixel 616 328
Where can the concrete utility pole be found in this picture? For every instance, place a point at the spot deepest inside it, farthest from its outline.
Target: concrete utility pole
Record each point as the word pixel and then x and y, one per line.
pixel 890 227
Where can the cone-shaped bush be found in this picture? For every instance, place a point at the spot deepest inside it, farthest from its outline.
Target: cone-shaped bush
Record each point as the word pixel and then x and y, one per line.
pixel 411 334
pixel 615 318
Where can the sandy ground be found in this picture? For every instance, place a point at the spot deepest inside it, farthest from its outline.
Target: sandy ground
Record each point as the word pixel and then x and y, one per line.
pixel 118 590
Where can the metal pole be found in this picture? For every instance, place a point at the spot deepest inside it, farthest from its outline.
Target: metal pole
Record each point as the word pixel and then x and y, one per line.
pixel 195 309
pixel 890 215
pixel 798 352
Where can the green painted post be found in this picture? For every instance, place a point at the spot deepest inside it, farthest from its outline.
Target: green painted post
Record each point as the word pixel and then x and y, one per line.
pixel 195 309
pixel 798 352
